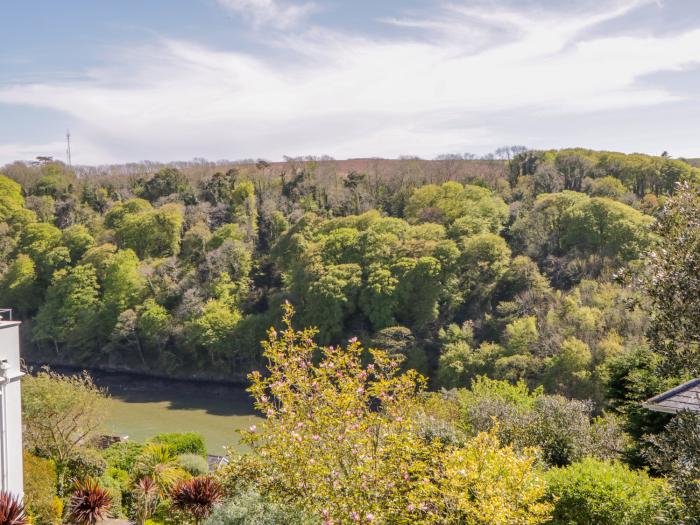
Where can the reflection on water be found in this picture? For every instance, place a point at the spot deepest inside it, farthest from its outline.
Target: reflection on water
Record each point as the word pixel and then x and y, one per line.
pixel 141 407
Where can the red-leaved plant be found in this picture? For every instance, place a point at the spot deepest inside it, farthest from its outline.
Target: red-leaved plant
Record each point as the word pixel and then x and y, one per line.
pixel 11 510
pixel 197 496
pixel 89 503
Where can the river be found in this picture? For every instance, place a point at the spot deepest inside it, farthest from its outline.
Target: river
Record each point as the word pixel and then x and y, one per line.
pixel 141 407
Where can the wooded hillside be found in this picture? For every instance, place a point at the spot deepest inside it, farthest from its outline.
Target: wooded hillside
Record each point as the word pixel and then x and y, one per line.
pixel 465 267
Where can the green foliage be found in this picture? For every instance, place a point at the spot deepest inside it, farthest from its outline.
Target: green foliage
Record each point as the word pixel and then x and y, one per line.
pixel 40 482
pixel 70 306
pixel 194 464
pixel 12 204
pixel 400 344
pixel 122 455
pixel 561 222
pixel 458 364
pixel 607 493
pixel 444 279
pixel 340 440
pixel 194 243
pixel 469 210
pixel 634 378
pixel 78 240
pixel 19 286
pixel 152 233
pixel 41 242
pixel 182 443
pixel 117 484
pixel 180 271
pixel 158 464
pixel 606 228
pixel 609 187
pixel 87 463
pixel 61 416
pixel 563 430
pixel 676 453
pixel 539 231
pixel 250 508
pixel 153 323
pixel 230 232
pixel 115 216
pixel 166 182
pixel 212 330
pixel 671 287
pixel 122 285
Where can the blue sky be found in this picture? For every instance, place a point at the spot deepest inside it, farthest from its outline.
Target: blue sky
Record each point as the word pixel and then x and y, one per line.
pixel 229 79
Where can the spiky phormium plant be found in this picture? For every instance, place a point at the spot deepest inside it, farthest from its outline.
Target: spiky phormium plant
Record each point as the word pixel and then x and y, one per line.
pixel 89 503
pixel 11 510
pixel 197 496
pixel 145 496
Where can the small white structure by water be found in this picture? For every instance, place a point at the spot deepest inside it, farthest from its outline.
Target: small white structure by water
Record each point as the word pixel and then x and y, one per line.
pixel 10 409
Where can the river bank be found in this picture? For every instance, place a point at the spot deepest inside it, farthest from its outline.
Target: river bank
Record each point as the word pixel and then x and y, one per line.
pixel 141 406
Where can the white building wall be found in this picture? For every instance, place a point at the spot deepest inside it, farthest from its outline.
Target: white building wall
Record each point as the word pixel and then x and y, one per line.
pixel 11 476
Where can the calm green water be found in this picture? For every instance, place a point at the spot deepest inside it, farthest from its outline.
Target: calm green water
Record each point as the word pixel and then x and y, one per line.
pixel 142 407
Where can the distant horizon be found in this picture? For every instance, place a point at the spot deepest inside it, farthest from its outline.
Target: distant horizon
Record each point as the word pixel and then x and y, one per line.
pixel 328 158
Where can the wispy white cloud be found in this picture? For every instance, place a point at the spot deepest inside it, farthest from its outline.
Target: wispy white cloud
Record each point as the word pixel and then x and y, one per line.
pixel 353 95
pixel 276 13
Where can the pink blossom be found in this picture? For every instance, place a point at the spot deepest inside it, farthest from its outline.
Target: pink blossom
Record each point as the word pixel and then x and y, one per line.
pixel 370 517
pixel 253 428
pixel 353 340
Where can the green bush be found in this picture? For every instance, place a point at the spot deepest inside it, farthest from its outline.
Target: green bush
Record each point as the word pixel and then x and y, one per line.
pixel 40 488
pixel 86 463
pixel 116 482
pixel 122 455
pixel 563 429
pixel 252 509
pixel 194 464
pixel 182 443
pixel 607 493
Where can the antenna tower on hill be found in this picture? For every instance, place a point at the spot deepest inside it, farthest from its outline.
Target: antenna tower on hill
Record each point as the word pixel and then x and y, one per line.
pixel 70 163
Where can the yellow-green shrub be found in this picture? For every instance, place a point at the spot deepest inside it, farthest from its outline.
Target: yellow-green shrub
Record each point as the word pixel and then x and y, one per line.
pixel 40 488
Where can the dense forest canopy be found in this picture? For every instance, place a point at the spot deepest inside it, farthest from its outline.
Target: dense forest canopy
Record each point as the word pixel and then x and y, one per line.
pixel 459 341
pixel 464 267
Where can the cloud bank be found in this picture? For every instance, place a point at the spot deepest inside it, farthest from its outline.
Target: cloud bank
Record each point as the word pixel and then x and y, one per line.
pixel 468 79
pixel 269 12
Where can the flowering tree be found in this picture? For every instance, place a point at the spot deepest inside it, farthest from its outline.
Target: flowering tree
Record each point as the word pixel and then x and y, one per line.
pixel 341 440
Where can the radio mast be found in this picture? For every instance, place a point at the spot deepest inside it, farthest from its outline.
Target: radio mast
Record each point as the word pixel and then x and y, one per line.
pixel 70 163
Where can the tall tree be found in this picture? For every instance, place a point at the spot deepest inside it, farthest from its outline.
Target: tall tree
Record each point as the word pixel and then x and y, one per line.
pixel 671 284
pixel 62 415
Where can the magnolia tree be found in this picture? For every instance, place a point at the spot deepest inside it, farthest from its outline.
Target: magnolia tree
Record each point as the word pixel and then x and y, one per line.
pixel 341 440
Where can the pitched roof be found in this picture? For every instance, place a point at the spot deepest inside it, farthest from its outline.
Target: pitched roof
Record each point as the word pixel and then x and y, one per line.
pixel 683 397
